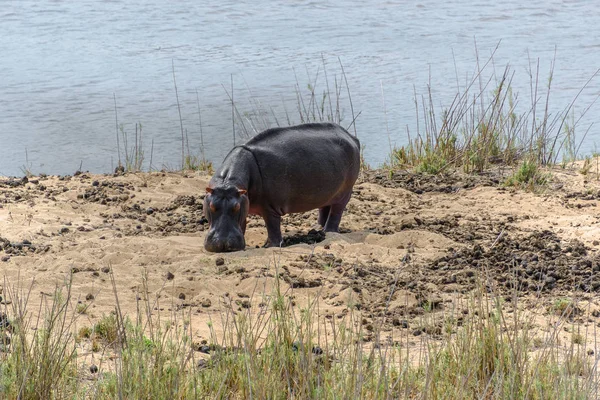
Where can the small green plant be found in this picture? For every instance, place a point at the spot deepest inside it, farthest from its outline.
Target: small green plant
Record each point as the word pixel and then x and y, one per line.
pixel 528 175
pixel 586 167
pixel 106 329
pixel 564 308
pixel 84 332
pixel 81 308
pixel 194 163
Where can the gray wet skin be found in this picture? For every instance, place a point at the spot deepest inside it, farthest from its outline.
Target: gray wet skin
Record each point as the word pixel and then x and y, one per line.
pixel 277 172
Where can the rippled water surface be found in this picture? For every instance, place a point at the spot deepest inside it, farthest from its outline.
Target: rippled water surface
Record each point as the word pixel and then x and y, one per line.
pixel 62 62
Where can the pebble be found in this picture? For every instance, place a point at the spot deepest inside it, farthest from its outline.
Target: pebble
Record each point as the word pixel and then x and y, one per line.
pixel 222 269
pixel 170 276
pixel 400 322
pixel 245 304
pixel 4 322
pixel 204 349
pixel 93 368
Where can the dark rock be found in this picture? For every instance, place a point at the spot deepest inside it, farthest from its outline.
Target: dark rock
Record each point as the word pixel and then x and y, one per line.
pixel 400 322
pixel 204 349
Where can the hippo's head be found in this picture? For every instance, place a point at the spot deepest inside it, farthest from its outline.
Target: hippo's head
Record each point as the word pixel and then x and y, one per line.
pixel 226 209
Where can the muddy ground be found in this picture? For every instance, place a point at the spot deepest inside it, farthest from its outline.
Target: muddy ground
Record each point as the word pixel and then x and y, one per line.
pixel 411 246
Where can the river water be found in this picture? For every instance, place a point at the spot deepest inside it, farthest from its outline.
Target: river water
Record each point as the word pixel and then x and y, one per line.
pixel 63 63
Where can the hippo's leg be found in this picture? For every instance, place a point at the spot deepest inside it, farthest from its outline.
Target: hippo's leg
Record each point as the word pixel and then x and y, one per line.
pixel 323 215
pixel 273 223
pixel 335 214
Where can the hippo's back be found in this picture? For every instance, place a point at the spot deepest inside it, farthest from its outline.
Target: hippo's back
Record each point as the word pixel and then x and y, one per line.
pixel 305 135
pixel 306 165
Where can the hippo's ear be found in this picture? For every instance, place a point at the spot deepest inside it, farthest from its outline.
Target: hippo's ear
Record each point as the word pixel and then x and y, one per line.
pixel 242 192
pixel 209 190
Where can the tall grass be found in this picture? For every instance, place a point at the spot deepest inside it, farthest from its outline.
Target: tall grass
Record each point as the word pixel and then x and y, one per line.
pixel 483 127
pixel 288 351
pixel 320 98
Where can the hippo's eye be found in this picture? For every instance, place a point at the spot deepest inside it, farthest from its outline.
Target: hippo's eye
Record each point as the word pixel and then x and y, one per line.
pixel 236 208
pixel 212 207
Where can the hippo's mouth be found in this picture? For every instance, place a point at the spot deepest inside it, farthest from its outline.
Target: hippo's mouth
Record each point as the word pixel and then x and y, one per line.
pixel 218 241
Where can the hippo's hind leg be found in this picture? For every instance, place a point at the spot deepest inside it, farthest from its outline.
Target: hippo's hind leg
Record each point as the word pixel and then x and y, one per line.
pixel 335 214
pixel 273 223
pixel 323 215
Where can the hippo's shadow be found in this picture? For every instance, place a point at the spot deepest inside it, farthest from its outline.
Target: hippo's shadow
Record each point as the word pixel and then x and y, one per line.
pixel 313 236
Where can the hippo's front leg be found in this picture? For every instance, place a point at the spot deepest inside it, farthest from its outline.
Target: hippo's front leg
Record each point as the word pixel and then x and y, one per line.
pixel 273 223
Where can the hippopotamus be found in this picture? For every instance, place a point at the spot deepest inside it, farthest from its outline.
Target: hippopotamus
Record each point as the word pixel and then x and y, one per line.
pixel 281 171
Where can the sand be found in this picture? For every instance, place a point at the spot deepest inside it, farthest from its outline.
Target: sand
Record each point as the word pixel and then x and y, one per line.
pixel 408 243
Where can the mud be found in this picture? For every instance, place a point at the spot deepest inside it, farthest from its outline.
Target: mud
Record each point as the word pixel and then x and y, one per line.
pixel 536 262
pixel 419 183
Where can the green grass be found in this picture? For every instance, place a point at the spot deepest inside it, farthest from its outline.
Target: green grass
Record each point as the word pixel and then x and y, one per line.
pixel 485 127
pixel 194 163
pixel 287 352
pixel 528 175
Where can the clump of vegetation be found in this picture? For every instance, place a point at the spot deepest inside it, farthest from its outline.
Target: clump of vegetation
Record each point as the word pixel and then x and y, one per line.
pixel 194 163
pixel 528 175
pixel 586 167
pixel 106 329
pixel 41 363
pixel 286 352
pixel 480 130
